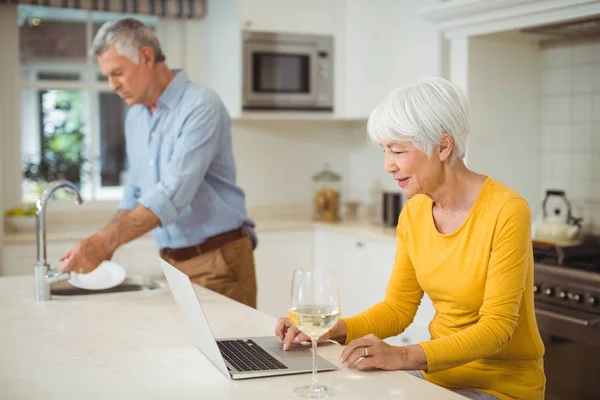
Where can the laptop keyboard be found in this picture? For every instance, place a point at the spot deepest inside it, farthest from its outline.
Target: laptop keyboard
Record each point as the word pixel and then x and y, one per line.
pixel 246 355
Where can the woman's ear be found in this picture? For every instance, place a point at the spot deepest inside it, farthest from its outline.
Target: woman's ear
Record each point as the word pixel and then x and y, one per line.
pixel 445 149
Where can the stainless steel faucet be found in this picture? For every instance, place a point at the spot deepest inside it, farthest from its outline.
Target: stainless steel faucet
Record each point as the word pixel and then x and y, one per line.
pixel 44 276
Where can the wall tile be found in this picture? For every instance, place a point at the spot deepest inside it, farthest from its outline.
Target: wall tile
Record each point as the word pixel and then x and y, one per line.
pixel 583 53
pixel 582 107
pixel 581 136
pixel 583 78
pixel 561 168
pixel 561 137
pixel 596 107
pixel 558 56
pixel 570 120
pixel 558 109
pixel 595 136
pixel 581 167
pixel 557 81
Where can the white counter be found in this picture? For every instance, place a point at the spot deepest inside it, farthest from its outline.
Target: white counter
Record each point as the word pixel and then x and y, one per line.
pixel 78 232
pixel 136 346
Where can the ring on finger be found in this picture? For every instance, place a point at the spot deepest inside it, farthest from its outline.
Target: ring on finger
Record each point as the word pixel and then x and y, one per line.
pixel 366 352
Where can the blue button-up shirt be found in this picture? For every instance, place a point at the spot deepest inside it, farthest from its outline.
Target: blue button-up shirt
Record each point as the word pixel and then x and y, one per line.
pixel 181 166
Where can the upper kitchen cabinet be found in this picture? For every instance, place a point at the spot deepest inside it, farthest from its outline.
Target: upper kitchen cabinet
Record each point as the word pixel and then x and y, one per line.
pixel 294 16
pixel 377 46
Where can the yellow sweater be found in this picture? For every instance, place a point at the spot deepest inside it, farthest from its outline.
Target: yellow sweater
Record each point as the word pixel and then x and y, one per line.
pixel 484 334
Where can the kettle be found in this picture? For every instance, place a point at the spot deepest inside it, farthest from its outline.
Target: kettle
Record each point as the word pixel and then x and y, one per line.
pixel 561 229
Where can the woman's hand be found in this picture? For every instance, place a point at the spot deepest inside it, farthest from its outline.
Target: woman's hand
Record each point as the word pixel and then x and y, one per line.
pixel 370 352
pixel 287 332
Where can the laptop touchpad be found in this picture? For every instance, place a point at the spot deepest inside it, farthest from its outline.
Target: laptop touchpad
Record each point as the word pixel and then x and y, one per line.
pixel 295 350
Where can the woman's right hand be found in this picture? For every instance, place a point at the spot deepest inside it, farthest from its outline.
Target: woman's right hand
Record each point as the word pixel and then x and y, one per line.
pixel 287 332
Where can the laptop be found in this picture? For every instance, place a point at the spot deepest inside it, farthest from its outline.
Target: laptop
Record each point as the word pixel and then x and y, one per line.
pixel 238 358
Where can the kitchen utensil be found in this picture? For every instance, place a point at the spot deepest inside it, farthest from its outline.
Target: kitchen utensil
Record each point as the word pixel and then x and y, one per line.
pixel 107 275
pixel 559 227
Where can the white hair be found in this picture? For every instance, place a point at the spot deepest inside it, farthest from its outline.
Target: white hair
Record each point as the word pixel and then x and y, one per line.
pixel 421 113
pixel 129 36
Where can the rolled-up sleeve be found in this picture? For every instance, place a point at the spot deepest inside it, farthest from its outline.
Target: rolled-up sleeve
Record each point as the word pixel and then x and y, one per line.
pixel 131 194
pixel 194 151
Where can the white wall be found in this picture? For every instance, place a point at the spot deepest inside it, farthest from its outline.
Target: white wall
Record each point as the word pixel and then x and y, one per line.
pixel 503 91
pixel 570 118
pixel 276 160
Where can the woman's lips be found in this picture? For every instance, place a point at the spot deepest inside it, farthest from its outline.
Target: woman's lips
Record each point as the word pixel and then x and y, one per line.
pixel 403 181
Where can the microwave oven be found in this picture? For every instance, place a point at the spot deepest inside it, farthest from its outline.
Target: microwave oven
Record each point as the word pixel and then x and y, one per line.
pixel 286 71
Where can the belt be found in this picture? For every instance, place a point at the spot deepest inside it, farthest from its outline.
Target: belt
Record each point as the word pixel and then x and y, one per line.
pixel 210 244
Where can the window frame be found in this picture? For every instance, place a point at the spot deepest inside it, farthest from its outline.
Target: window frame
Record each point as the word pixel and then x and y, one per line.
pixel 91 88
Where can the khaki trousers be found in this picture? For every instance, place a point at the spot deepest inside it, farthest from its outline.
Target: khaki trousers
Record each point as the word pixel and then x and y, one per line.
pixel 228 270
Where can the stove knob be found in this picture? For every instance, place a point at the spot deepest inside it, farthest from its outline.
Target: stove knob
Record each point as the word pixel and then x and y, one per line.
pixel 563 295
pixel 592 300
pixel 549 292
pixel 575 297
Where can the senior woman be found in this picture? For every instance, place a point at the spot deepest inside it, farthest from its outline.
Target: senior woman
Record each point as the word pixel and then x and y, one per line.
pixel 462 238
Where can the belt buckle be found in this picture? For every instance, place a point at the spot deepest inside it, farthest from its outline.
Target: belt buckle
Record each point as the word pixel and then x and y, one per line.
pixel 198 249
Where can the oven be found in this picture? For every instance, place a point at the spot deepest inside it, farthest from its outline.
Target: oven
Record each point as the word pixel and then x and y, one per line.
pixel 285 71
pixel 567 307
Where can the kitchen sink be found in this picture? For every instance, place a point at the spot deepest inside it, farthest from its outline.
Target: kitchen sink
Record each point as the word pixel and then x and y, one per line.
pixel 130 284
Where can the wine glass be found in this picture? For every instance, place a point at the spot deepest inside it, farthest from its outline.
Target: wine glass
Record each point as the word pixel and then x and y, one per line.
pixel 315 310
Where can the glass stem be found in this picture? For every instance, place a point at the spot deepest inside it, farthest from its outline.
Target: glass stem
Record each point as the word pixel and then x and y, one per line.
pixel 314 371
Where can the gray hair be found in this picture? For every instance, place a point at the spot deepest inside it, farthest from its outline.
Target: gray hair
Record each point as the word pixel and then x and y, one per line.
pixel 129 35
pixel 421 113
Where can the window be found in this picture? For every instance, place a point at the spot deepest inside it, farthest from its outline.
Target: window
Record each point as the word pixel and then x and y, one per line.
pixel 72 124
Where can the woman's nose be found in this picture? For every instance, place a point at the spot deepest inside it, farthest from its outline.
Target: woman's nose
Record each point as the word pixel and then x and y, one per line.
pixel 390 166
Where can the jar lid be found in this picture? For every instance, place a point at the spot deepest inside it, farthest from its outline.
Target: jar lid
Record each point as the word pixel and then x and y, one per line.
pixel 327 175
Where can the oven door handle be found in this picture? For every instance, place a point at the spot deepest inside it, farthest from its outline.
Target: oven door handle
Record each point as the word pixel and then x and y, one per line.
pixel 567 318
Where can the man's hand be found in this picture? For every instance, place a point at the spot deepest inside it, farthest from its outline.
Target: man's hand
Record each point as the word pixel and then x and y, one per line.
pixel 370 352
pixel 86 255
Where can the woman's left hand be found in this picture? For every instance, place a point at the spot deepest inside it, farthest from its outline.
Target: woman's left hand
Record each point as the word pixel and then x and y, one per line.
pixel 370 352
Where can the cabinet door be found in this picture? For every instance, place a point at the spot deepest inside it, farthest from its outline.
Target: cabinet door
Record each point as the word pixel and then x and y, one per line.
pixel 277 256
pixel 381 262
pixel 369 67
pixel 346 255
pixel 380 258
pixel 296 16
pixel 139 257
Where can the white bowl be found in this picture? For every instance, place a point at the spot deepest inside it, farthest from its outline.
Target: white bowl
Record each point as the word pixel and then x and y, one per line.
pixel 21 223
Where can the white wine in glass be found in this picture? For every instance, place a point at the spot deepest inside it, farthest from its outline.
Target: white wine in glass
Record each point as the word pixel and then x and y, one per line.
pixel 315 310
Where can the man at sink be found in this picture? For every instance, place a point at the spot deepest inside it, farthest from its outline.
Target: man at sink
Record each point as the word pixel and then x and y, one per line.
pixel 181 178
pixel 465 240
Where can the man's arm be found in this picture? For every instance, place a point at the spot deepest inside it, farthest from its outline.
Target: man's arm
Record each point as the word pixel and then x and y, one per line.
pixel 194 151
pixel 128 225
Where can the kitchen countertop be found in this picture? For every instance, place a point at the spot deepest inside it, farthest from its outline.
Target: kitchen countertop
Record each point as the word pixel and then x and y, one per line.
pixel 364 228
pixel 136 345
